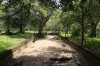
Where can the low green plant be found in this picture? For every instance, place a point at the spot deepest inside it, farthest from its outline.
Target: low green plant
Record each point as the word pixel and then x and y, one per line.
pixel 91 43
pixel 76 39
pixel 57 38
pixel 39 35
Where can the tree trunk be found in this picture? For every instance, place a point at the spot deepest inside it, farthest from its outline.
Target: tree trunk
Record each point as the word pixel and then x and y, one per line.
pixel 93 30
pixel 21 29
pixel 40 26
pixel 8 31
pixel 82 41
pixel 40 30
pixel 66 31
pixel 44 20
pixel 21 15
pixel 65 34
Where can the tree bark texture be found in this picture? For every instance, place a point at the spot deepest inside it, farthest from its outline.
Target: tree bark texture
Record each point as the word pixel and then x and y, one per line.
pixel 21 29
pixel 93 30
pixel 42 24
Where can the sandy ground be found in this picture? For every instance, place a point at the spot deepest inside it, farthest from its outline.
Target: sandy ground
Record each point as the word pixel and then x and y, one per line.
pixel 40 52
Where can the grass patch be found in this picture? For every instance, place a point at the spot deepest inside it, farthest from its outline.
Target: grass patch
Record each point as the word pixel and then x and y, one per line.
pixel 63 34
pixel 25 35
pixel 91 43
pixel 31 31
pixel 10 40
pixel 6 41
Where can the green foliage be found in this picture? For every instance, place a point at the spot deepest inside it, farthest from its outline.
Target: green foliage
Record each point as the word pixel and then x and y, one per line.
pixel 3 46
pixel 66 5
pixel 16 14
pixel 76 29
pixel 91 43
pixel 67 18
pixel 57 38
pixel 33 14
pixel 53 24
pixel 7 41
pixel 22 13
pixel 39 35
pixel 76 39
pixel 48 3
pixel 70 22
pixel 93 16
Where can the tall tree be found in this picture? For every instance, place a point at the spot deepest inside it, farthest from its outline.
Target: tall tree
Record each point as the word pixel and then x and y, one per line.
pixel 17 13
pixel 74 5
pixel 49 6
pixel 54 24
pixel 93 15
pixel 7 17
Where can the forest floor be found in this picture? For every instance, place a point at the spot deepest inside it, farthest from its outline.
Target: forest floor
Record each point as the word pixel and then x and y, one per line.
pixel 50 52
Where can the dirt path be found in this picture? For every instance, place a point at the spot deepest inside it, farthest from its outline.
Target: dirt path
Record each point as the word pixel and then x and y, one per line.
pixel 40 53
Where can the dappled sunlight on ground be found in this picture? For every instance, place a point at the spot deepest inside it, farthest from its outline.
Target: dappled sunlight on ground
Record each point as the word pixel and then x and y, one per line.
pixel 40 52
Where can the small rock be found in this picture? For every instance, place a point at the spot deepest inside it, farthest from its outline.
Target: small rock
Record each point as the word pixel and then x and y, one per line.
pixel 64 45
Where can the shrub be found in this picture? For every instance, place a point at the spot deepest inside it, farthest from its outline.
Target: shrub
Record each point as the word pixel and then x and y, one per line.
pixel 57 38
pixel 39 35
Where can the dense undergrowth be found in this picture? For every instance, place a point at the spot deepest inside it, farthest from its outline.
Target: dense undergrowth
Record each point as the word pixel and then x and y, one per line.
pixel 91 43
